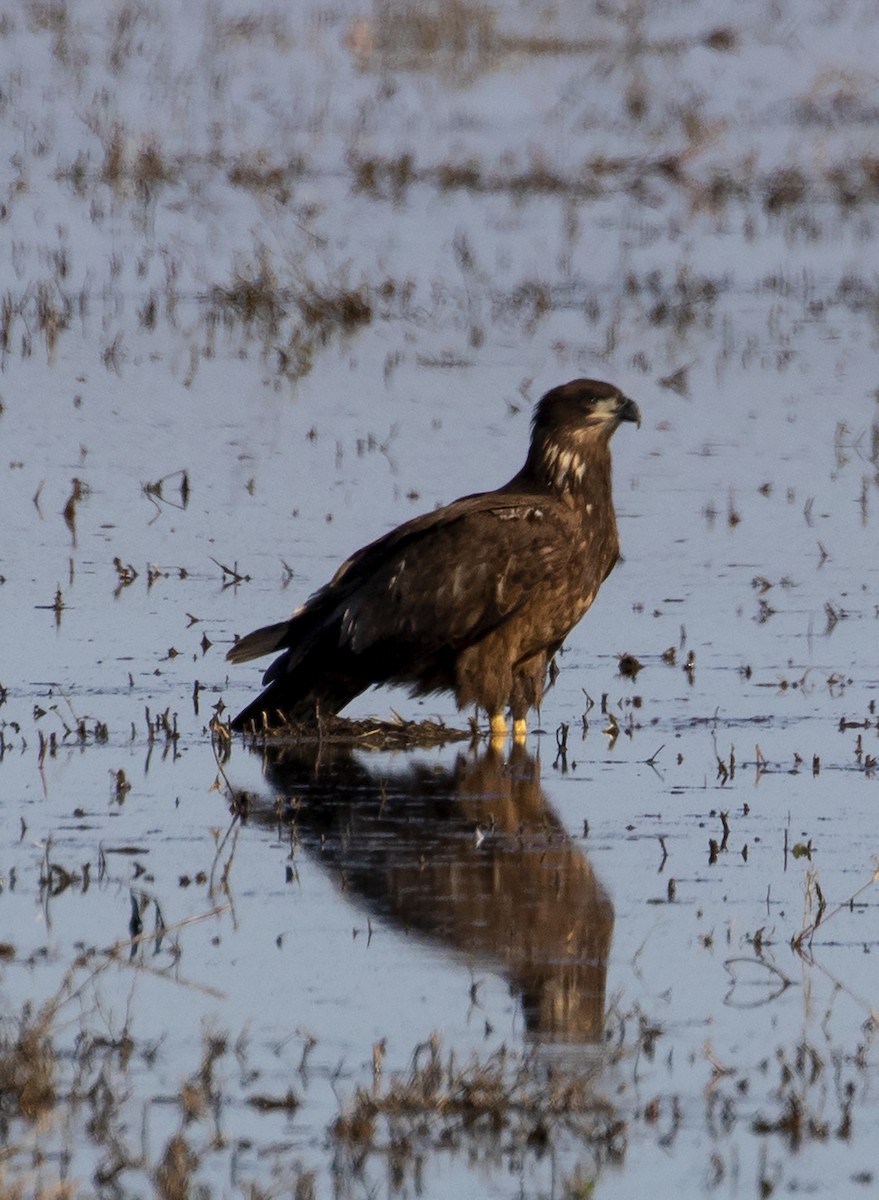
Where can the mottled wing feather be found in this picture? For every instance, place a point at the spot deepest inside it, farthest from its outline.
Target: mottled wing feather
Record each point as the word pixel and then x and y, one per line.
pixel 355 578
pixel 472 573
pixel 362 563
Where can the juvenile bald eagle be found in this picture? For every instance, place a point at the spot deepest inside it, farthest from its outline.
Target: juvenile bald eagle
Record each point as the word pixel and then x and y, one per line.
pixel 474 598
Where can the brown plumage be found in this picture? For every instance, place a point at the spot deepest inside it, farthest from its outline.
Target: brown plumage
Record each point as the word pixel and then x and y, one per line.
pixel 474 598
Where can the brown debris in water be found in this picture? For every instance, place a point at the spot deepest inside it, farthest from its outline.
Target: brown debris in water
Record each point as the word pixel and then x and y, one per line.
pixel 368 733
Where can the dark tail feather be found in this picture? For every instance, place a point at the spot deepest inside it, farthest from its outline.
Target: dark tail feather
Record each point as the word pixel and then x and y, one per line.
pixel 262 641
pixel 297 696
pixel 272 707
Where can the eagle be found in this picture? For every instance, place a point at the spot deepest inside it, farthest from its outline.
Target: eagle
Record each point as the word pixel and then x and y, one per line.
pixel 474 598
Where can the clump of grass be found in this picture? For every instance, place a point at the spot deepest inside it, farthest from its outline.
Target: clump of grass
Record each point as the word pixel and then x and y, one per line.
pixel 253 296
pixel 443 25
pixel 528 303
pixel 52 16
pixel 452 176
pixel 504 1095
pixel 541 180
pixel 855 183
pixel 722 186
pixel 53 313
pixel 76 173
pixel 43 306
pixel 324 313
pixel 258 26
pixel 174 1173
pixel 258 175
pixel 27 1065
pixel 384 177
pixel 33 1189
pixel 7 318
pixel 200 1093
pixel 685 301
pixel 113 169
pixel 151 167
pixel 122 29
pixel 340 309
pixel 390 178
pixel 784 189
pixel 316 312
pixel 147 168
pixel 450 36
pixel 722 39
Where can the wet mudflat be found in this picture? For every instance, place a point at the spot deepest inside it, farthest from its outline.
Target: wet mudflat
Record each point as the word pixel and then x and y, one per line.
pixel 273 281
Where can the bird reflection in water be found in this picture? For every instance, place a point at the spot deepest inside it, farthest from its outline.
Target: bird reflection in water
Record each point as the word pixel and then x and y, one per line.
pixel 471 856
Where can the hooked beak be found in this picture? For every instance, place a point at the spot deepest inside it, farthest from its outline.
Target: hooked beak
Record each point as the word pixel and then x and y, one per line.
pixel 629 411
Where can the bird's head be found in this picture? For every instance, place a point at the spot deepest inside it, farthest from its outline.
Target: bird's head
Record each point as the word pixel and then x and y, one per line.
pixel 573 421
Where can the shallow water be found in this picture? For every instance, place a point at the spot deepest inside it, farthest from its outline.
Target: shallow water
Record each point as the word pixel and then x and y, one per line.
pixel 276 281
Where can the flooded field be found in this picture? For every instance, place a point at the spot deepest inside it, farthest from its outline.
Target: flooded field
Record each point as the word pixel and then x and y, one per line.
pixel 277 277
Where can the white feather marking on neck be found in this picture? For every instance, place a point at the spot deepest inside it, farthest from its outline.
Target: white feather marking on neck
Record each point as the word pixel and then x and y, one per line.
pixel 565 468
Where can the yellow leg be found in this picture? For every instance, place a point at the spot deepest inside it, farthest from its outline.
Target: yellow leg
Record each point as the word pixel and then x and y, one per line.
pixel 498 727
pixel 520 729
